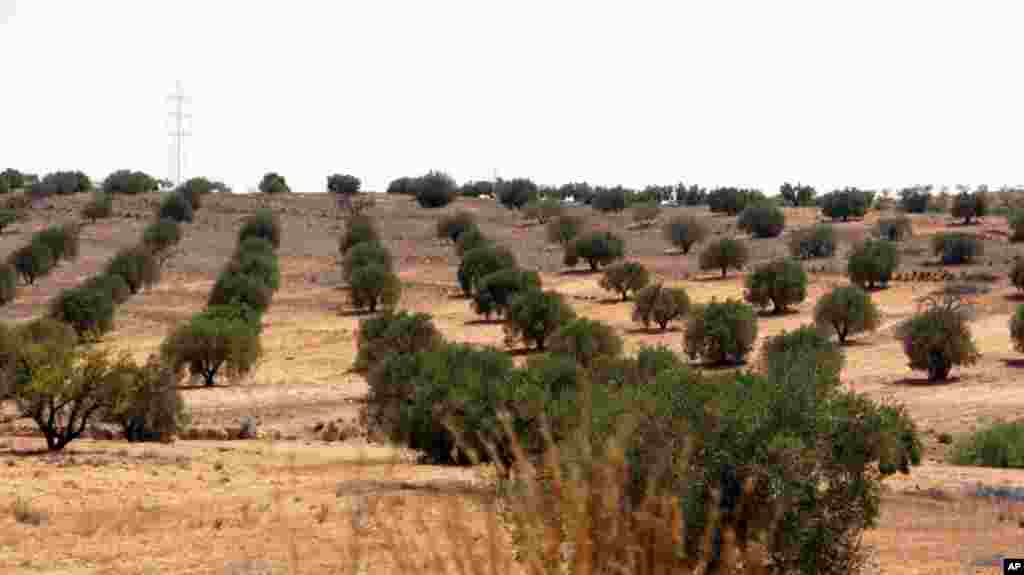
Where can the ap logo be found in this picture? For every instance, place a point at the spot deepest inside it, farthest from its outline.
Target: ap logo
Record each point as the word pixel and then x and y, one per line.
pixel 1015 566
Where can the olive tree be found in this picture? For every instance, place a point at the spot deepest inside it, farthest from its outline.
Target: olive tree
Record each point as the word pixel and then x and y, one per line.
pixel 625 277
pixel 220 340
pixel 847 310
pixel 780 283
pixel 685 231
pixel 660 305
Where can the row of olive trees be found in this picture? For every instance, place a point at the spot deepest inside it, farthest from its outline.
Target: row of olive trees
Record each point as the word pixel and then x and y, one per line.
pixel 367 266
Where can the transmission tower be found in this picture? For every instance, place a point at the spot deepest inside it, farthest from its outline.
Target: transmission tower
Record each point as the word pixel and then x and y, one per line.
pixel 178 100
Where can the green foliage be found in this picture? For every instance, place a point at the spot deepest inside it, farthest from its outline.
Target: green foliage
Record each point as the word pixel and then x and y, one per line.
pixel 872 263
pixel 845 204
pixel 1017 329
pixel 625 277
pixel 724 253
pixel 344 184
pixel 90 311
pixel 175 206
pixel 65 183
pixel 780 283
pixel 375 285
pixel 161 236
pixel 564 229
pixel 434 190
pixel 732 201
pixel 258 264
pixel 8 217
pixel 400 333
pixel 8 283
pixel 402 186
pixel 263 223
pixel 476 189
pixel 273 183
pixel 483 261
pixel 137 265
pixel 450 227
pixel 223 339
pixel 915 199
pixel 32 261
pixel 100 206
pixel 969 206
pixel 495 291
pixel 818 241
pixel 797 195
pixel 543 210
pixel 239 289
pixel 470 240
pixel 586 340
pixel 363 254
pixel 609 199
pixel 63 241
pixel 515 193
pixel 358 229
pixel 720 332
pixel 112 284
pixel 194 189
pixel 762 220
pixel 937 339
pixel 957 248
pixel 12 180
pixel 807 346
pixel 596 248
pixel 1001 445
pixel 534 315
pixel 1016 221
pixel 685 231
pixel 847 310
pixel 129 182
pixel 896 229
pixel 147 404
pixel 660 305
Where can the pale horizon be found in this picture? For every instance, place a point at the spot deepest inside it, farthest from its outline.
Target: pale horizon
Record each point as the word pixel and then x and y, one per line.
pixel 872 94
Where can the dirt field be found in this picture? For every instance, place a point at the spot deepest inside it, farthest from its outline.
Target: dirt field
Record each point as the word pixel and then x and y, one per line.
pixel 197 505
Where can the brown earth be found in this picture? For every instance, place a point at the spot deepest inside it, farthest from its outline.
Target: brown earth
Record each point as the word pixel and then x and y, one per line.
pixel 194 506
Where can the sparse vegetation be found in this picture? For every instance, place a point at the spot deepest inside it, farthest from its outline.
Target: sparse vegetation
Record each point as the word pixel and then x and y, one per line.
pixel 625 277
pixel 723 254
pixel 646 213
pixel 8 283
pixel 818 241
pixel 1017 329
pixel 721 332
pixel 543 210
pixel 63 241
pixel 660 305
pixel 872 263
pixel 596 248
pixel 780 283
pixel 374 285
pixel 147 404
pixel 847 310
pixel 1016 221
pixel 471 240
pixel 685 231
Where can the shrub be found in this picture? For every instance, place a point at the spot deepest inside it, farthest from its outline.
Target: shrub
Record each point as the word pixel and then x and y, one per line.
pixel 1000 445
pixel 872 263
pixel 723 254
pixel 129 182
pixel 797 195
pixel 957 248
pixel 685 231
pixel 483 261
pixel 89 311
pixel 434 190
pixel 137 265
pixel 148 405
pixel 8 217
pixel 222 337
pixel 625 277
pixel 401 333
pixel 113 284
pixel 564 229
pixel 254 245
pixel 804 346
pixel 450 227
pixel 1017 329
pixel 177 207
pixel 895 229
pixel 32 261
pixel 470 240
pixel 660 305
pixel 194 189
pixel 273 183
pixel 847 310
pixel 66 183
pixel 814 242
pixel 358 229
pixel 969 206
pixel 762 220
pixel 720 332
pixel 915 200
pixel 402 186
pixel 8 283
pixel 374 285
pixel 732 201
pixel 1017 273
pixel 1016 221
pixel 12 179
pixel 258 264
pixel 262 223
pixel 476 189
pixel 586 340
pixel 646 213
pixel 937 339
pixel 344 184
pixel 543 210
pixel 845 204
pixel 160 236
pixel 596 248
pixel 5 188
pixel 515 193
pixel 780 283
pixel 100 206
pixel 238 289
pixel 534 315
pixel 63 241
pixel 495 291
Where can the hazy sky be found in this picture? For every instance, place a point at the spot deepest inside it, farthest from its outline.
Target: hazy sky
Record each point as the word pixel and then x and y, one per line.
pixel 871 93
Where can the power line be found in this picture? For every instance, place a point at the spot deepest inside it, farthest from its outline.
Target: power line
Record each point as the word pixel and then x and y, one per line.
pixel 178 99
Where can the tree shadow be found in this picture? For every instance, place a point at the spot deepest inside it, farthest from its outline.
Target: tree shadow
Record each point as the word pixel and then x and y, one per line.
pixel 1014 363
pixel 1015 296
pixel 355 313
pixel 711 278
pixel 855 343
pixel 484 321
pixel 924 382
pixel 524 351
pixel 578 272
pixel 719 367
pixel 612 300
pixel 194 386
pixel 653 330
pixel 771 313
pixel 458 296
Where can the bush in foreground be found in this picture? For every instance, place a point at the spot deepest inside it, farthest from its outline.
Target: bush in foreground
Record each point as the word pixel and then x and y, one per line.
pixel 358 229
pixel 470 240
pixel 780 283
pixel 814 242
pixel 147 403
pixel 596 248
pixel 660 305
pixel 401 333
pixel 847 310
pixel 872 263
pixel 723 254
pixel 113 284
pixel 1000 445
pixel 783 353
pixel 534 315
pixel 586 340
pixel 721 332
pixel 685 231
pixel 258 264
pixel 625 277
pixel 222 340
